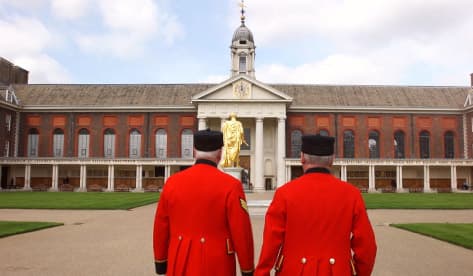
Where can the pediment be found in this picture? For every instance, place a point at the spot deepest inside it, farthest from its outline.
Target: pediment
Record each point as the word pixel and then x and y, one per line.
pixel 241 89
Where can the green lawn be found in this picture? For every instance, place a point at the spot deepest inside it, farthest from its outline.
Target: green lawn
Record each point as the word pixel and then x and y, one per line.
pixel 456 233
pixel 9 228
pixel 419 201
pixel 64 200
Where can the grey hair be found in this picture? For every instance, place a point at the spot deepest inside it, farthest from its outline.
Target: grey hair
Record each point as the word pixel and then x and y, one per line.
pixel 321 161
pixel 206 154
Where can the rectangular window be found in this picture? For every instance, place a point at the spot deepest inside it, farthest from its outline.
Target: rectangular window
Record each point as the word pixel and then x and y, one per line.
pixel 33 145
pixel 187 145
pixel 84 145
pixel 135 141
pixel 242 67
pixel 58 145
pixel 109 145
pixel 161 145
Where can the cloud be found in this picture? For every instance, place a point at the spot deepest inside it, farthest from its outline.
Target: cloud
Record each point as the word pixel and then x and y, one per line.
pixel 26 41
pixel 115 44
pixel 404 35
pixel 43 69
pixel 69 9
pixel 129 26
pixel 23 35
pixel 334 69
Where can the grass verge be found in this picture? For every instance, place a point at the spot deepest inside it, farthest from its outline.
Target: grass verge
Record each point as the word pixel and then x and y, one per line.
pixel 419 201
pixel 64 200
pixel 10 228
pixel 455 233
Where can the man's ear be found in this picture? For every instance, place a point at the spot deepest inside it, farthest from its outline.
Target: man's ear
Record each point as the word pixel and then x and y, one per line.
pixel 302 158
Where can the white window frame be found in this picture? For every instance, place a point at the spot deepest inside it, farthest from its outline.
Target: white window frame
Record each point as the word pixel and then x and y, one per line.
pixel 58 144
pixel 33 145
pixel 187 143
pixel 109 145
pixel 83 145
pixel 135 144
pixel 161 143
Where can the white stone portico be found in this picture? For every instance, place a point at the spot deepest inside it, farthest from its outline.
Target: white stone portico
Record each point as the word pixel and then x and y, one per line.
pixel 262 111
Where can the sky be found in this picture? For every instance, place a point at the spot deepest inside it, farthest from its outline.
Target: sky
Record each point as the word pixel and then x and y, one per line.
pixel 360 42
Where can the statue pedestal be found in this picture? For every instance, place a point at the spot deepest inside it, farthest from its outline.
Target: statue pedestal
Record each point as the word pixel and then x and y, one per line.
pixel 233 171
pixel 239 174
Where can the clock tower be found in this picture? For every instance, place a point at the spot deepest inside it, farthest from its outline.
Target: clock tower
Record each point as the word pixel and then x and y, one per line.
pixel 243 49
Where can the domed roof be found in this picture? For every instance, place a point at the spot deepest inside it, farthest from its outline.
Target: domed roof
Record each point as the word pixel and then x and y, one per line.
pixel 243 33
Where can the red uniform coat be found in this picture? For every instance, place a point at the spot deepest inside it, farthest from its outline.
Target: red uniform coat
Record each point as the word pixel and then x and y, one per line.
pixel 313 225
pixel 201 222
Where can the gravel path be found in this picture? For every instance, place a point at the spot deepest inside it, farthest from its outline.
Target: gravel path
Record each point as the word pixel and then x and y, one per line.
pixel 120 242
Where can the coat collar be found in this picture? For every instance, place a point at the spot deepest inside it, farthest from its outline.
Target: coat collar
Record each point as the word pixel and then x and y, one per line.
pixel 205 161
pixel 317 170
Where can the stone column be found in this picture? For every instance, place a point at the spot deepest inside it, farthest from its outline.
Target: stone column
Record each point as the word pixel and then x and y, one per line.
pixel 167 172
pixel 343 173
pixel 259 162
pixel 111 179
pixel 288 173
pixel 281 152
pixel 27 185
pixel 427 179
pixel 139 179
pixel 399 184
pixel 83 179
pixel 202 123
pixel 453 177
pixel 371 179
pixel 54 180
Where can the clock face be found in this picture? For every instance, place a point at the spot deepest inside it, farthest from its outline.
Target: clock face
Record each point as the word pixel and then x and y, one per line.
pixel 241 89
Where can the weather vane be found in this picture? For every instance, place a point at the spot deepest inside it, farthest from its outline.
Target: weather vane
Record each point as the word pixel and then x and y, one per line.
pixel 242 5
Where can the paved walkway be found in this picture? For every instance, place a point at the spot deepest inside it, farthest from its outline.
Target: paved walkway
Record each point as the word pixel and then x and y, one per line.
pixel 119 242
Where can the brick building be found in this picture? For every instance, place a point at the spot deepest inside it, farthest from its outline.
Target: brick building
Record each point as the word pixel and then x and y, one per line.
pixel 132 137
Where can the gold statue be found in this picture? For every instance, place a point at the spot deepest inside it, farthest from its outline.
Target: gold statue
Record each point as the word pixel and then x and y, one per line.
pixel 232 139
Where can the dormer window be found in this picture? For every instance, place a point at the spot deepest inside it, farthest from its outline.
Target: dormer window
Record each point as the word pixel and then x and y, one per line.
pixel 242 41
pixel 242 67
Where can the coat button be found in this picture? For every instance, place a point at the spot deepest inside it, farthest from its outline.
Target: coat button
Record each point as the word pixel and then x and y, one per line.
pixel 331 261
pixel 303 260
pixel 180 238
pixel 202 240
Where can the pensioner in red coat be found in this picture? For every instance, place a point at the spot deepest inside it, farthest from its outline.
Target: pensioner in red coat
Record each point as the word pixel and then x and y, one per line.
pixel 201 223
pixel 313 225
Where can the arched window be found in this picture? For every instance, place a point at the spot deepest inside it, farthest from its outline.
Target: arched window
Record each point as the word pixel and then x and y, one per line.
pixel 58 142
pixel 187 143
pixel 399 151
pixel 348 144
pixel 242 63
pixel 161 143
pixel 296 143
pixel 373 144
pixel 33 136
pixel 109 143
pixel 449 144
pixel 83 146
pixel 135 143
pixel 323 132
pixel 424 144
